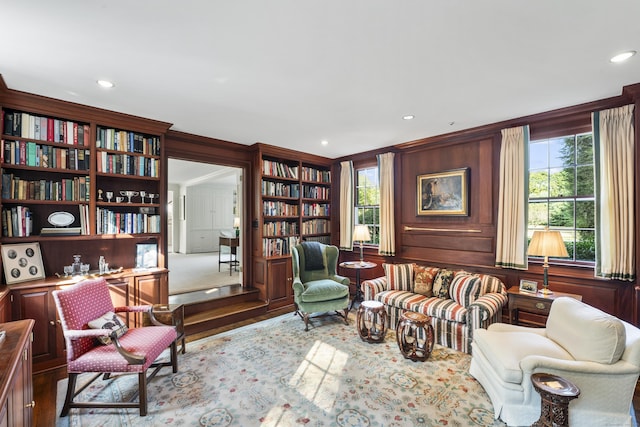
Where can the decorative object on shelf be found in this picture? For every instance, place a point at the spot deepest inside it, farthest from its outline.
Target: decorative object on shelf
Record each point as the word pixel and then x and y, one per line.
pixel 129 194
pixel 22 262
pixel 61 222
pixel 361 234
pixel 443 193
pixel 119 199
pixel 100 195
pixel 109 195
pixel 76 264
pixel 152 196
pixel 103 265
pixel 528 286
pixel 236 225
pixel 142 194
pixel 547 243
pixel 146 255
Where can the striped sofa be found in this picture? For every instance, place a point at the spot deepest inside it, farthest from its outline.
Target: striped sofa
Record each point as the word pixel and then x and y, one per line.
pixel 457 301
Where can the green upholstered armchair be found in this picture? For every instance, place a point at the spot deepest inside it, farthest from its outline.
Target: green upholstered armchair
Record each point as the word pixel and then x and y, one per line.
pixel 317 287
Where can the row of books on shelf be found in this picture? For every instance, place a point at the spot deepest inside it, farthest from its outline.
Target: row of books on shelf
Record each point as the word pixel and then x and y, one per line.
pixel 66 189
pixel 17 222
pixel 316 226
pixel 280 189
pixel 322 239
pixel 110 222
pixel 317 175
pixel 275 208
pixel 29 153
pixel 279 169
pixel 25 125
pixel 126 164
pixel 316 209
pixel 278 246
pixel 122 140
pixel 279 228
pixel 314 192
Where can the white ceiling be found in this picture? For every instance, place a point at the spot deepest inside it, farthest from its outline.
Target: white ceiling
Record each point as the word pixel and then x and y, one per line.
pixel 292 73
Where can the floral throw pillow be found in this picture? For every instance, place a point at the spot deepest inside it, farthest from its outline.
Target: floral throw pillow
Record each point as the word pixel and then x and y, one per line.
pixel 111 321
pixel 442 282
pixel 399 276
pixel 423 279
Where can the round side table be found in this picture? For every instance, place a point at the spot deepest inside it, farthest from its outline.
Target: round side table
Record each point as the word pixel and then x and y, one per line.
pixel 555 393
pixel 415 336
pixel 371 321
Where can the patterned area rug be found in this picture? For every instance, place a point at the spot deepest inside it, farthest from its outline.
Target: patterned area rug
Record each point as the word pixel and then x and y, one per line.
pixel 273 373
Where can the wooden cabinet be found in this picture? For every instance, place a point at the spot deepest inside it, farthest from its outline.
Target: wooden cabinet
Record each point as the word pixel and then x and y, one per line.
pixel 292 204
pixel 532 309
pixel 16 384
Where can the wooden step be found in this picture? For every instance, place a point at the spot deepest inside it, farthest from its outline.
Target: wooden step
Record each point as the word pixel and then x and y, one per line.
pixel 224 315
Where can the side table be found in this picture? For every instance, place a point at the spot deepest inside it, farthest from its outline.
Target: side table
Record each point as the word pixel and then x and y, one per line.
pixel 357 265
pixel 172 315
pixel 555 394
pixel 536 306
pixel 415 336
pixel 371 321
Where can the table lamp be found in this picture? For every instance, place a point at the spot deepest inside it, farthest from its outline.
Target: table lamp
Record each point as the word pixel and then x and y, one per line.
pixel 236 225
pixel 547 243
pixel 361 234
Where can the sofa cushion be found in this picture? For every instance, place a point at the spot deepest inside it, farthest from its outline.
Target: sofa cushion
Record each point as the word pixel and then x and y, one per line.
pixel 442 308
pixel 423 279
pixel 586 332
pixel 399 276
pixel 441 283
pixel 401 299
pixel 465 288
pixel 506 364
pixel 323 290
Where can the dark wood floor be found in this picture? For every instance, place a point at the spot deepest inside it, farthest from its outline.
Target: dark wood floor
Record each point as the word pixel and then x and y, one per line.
pixel 45 383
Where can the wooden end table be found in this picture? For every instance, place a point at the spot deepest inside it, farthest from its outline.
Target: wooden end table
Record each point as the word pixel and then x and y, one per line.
pixel 555 394
pixel 536 306
pixel 415 336
pixel 172 315
pixel 371 321
pixel 357 265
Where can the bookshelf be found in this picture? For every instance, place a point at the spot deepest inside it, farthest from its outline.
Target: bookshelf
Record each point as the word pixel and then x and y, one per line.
pixel 293 205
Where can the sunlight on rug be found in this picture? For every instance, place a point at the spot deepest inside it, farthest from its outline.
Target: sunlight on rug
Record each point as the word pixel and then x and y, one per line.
pixel 273 373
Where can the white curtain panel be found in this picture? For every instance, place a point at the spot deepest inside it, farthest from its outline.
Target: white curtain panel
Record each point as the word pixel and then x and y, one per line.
pixel 346 205
pixel 387 244
pixel 511 245
pixel 614 143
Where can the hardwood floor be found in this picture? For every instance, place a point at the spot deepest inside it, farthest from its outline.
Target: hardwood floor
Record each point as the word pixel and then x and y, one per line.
pixel 45 383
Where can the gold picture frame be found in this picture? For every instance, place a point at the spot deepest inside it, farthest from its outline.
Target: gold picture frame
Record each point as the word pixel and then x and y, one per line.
pixel 22 262
pixel 443 193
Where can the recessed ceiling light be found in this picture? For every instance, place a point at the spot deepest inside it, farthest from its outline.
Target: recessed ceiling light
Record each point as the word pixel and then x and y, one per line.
pixel 324 142
pixel 408 117
pixel 621 57
pixel 105 83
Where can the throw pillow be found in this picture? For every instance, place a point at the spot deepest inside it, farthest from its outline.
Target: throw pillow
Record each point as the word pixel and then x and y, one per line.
pixel 465 288
pixel 399 276
pixel 110 321
pixel 441 283
pixel 423 279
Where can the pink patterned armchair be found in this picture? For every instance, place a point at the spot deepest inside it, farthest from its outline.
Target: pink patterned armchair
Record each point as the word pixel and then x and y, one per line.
pixel 109 347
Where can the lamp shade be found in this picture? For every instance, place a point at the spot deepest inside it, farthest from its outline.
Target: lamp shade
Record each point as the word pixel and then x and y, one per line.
pixel 547 243
pixel 361 233
pixel 236 222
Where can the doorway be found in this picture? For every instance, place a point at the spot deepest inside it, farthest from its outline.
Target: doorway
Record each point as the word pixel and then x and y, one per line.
pixel 204 204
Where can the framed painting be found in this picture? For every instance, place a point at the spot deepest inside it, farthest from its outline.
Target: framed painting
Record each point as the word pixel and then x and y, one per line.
pixel 146 255
pixel 22 262
pixel 528 286
pixel 443 193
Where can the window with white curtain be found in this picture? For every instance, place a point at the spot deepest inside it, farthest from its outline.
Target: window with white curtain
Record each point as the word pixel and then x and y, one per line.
pixel 561 192
pixel 367 201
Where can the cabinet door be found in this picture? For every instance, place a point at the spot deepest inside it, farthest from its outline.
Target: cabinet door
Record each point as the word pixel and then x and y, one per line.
pixel 38 304
pixel 280 282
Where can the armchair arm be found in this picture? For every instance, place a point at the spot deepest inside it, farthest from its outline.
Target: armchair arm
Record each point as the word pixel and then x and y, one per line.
pixel 298 287
pixel 131 358
pixel 372 286
pixel 134 309
pixel 75 334
pixel 340 279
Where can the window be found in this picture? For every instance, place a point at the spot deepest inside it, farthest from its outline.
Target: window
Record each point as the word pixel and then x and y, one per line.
pixel 367 209
pixel 561 192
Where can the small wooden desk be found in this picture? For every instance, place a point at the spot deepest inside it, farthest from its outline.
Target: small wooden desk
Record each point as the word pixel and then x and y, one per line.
pixel 232 243
pixel 357 265
pixel 536 306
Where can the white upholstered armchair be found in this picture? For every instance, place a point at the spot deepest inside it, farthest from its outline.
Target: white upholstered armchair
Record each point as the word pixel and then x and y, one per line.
pixel 596 351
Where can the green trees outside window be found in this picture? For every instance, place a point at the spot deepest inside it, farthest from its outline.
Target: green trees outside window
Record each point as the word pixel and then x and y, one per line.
pixel 367 209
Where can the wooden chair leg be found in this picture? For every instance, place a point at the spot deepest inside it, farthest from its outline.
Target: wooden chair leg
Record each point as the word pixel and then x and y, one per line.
pixel 305 317
pixel 174 356
pixel 142 389
pixel 71 387
pixel 346 315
